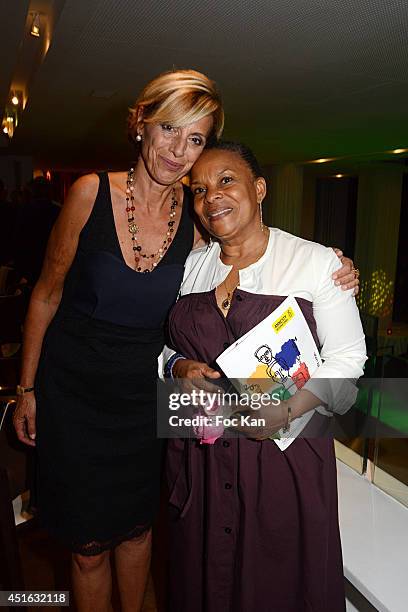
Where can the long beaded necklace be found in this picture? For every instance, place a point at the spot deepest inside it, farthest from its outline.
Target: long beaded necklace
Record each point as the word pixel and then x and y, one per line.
pixel 134 228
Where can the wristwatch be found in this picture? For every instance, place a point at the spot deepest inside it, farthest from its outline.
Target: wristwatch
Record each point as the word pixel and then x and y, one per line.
pixel 21 390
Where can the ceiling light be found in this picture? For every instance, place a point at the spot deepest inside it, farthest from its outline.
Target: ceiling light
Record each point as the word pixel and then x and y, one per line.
pixel 9 125
pixel 322 160
pixel 338 175
pixel 15 100
pixel 35 26
pixel 396 151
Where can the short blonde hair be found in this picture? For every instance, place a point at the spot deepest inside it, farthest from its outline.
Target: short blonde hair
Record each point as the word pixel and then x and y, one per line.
pixel 178 97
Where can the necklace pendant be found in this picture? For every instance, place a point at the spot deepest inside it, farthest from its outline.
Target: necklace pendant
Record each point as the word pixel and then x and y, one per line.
pixel 225 304
pixel 132 227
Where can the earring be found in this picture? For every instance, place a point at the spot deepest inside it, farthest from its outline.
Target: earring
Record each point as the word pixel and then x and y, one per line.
pixel 138 138
pixel 260 215
pixel 210 243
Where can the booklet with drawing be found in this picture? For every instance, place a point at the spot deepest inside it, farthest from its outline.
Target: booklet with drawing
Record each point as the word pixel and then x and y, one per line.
pixel 277 356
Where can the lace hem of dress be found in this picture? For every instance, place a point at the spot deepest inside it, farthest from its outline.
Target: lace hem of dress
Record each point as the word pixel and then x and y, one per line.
pixel 96 547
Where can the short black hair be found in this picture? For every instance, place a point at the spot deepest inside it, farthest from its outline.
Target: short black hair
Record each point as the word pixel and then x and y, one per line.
pixel 241 149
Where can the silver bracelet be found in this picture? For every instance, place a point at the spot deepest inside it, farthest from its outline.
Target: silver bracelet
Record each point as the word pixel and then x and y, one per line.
pixel 286 427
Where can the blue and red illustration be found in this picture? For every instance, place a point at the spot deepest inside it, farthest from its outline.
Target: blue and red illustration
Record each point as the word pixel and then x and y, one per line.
pixel 285 364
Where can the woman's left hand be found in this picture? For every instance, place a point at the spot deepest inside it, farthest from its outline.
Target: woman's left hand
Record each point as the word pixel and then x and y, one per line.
pixel 274 416
pixel 347 277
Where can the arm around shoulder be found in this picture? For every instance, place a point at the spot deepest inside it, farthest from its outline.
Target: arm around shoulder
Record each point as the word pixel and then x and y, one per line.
pixel 340 334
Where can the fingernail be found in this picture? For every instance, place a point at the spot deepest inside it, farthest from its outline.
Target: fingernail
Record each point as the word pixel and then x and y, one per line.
pixel 334 276
pixel 32 436
pixel 337 283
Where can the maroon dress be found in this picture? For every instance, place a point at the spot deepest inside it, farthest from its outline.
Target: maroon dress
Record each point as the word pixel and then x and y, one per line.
pixel 252 528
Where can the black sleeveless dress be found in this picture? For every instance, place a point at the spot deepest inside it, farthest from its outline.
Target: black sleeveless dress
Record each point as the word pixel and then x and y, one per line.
pixel 98 455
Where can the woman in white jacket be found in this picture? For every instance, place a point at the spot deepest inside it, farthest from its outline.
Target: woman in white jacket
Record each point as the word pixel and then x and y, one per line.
pixel 252 527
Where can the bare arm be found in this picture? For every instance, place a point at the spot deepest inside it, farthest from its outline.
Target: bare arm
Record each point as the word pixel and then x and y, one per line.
pixel 46 295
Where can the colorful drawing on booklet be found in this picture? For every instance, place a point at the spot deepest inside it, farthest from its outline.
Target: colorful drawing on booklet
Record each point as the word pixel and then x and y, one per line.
pixel 285 364
pixel 277 356
pixel 260 372
pixel 301 375
pixel 259 381
pixel 288 354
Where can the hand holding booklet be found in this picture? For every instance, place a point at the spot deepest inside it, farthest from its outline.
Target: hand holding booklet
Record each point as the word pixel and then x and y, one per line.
pixel 278 355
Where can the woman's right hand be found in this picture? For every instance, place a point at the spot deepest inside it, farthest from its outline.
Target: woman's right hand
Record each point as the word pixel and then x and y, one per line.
pixel 24 418
pixel 194 375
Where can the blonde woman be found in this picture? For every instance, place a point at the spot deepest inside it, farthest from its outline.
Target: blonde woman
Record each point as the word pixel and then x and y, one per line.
pixel 93 333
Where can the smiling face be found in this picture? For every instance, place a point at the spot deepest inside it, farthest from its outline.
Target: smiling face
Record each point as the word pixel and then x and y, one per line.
pixel 227 196
pixel 169 152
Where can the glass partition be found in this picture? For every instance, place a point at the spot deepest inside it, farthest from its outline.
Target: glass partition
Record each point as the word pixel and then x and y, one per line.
pixel 383 457
pixel 390 471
